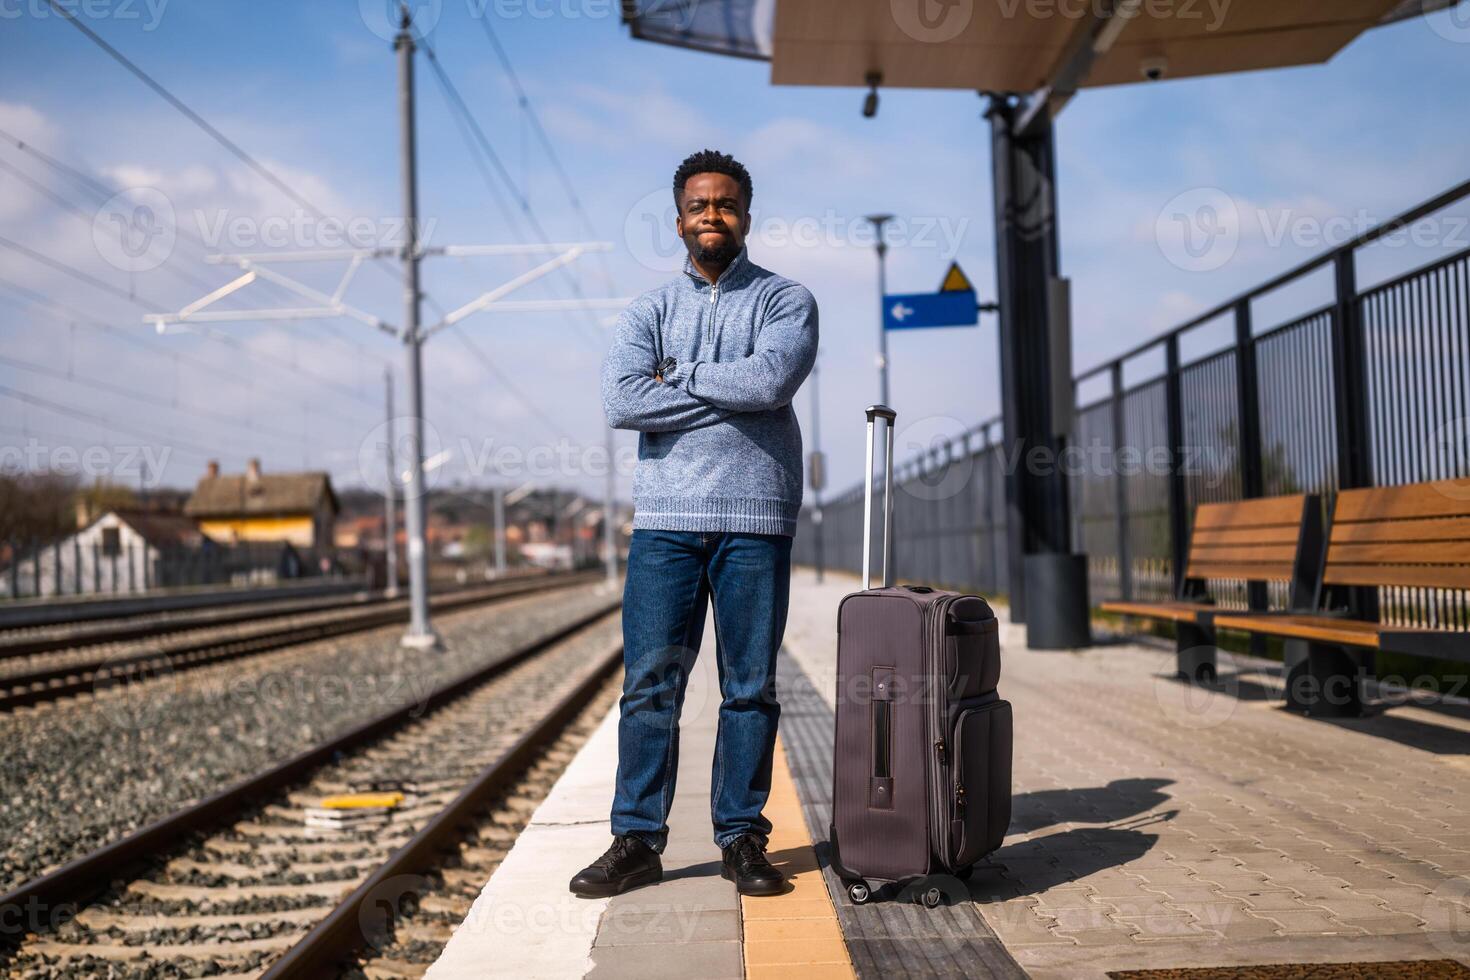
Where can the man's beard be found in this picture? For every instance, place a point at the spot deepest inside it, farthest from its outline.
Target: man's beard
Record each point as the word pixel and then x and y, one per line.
pixel 720 254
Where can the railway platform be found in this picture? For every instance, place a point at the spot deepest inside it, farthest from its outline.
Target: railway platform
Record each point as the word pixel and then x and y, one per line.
pixel 1156 826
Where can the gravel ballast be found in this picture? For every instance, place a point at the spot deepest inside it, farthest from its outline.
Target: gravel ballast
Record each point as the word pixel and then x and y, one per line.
pixel 78 774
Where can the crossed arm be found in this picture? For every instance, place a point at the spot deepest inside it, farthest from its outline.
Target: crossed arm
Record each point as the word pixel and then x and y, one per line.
pixel 632 398
pixel 701 392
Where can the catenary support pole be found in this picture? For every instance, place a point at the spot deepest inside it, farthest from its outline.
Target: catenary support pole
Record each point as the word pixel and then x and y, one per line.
pixel 610 512
pixel 499 532
pixel 390 494
pixel 415 510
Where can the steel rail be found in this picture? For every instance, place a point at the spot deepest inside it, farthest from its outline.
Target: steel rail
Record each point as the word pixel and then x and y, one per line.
pixel 78 880
pixel 342 932
pixel 53 683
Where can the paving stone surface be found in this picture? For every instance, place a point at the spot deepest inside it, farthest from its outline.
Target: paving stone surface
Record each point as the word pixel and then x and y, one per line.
pixel 1159 825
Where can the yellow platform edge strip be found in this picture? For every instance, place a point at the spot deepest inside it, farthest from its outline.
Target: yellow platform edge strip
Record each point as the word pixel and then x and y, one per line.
pixel 798 928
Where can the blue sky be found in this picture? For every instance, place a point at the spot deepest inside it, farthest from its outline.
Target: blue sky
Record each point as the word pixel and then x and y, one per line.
pixel 308 89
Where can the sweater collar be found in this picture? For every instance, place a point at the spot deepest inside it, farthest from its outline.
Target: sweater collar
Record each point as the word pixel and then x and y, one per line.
pixel 732 274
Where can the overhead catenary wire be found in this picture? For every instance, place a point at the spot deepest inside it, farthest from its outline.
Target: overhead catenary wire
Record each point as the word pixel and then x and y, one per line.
pixel 459 105
pixel 84 416
pixel 98 384
pixel 153 307
pixel 534 118
pixel 65 314
pixel 101 190
pixel 203 124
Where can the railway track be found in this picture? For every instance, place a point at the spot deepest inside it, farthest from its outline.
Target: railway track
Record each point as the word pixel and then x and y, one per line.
pixel 73 634
pixel 53 676
pixel 26 641
pixel 252 889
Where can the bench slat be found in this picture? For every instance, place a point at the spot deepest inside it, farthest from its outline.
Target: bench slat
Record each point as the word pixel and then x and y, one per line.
pixel 1250 513
pixel 1176 612
pixel 1321 628
pixel 1445 498
pixel 1241 571
pixel 1272 534
pixel 1401 553
pixel 1428 576
pixel 1414 529
pixel 1244 553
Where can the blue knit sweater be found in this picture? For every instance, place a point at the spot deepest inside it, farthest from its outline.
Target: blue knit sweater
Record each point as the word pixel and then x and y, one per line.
pixel 720 448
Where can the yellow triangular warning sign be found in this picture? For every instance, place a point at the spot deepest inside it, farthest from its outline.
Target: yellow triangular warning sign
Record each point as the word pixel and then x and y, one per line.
pixel 955 281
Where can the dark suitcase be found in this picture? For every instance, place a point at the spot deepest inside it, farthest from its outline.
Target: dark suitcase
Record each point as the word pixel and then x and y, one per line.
pixel 921 779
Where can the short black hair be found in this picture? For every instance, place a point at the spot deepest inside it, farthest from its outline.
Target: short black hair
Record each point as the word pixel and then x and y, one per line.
pixel 712 162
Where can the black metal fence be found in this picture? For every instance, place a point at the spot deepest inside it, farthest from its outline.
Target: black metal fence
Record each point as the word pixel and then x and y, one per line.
pixel 1371 389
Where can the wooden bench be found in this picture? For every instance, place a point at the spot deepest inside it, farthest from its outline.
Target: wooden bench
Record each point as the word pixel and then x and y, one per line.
pixel 1417 536
pixel 1267 539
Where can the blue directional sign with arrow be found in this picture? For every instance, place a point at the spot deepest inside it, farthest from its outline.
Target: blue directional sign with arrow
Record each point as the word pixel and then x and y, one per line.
pixel 953 306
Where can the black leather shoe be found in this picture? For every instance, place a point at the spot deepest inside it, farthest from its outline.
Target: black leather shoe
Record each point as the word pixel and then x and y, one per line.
pixel 628 863
pixel 744 862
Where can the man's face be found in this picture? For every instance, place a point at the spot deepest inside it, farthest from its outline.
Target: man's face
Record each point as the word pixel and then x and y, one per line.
pixel 713 219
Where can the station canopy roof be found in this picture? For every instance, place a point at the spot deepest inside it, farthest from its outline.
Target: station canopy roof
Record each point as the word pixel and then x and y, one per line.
pixel 1014 45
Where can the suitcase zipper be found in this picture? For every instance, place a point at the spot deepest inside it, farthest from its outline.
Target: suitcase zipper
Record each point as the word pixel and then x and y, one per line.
pixel 939 785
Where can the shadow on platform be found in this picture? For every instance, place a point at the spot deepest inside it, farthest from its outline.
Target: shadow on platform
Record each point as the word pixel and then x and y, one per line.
pixel 1118 800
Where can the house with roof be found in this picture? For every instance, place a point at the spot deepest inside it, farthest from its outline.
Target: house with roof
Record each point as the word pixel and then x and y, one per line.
pixel 121 550
pixel 298 508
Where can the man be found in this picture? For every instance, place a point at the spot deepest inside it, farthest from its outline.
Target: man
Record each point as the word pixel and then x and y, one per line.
pixel 705 367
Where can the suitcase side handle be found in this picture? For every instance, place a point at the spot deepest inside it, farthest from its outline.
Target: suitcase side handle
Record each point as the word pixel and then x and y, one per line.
pixel 875 412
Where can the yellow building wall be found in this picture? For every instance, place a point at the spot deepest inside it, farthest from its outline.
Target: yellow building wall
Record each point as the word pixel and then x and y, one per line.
pixel 296 530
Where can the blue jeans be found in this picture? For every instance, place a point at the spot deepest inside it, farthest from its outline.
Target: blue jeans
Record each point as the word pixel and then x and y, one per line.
pixel 671 576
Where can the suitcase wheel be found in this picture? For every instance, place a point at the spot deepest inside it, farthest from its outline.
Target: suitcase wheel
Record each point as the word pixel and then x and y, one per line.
pixel 930 898
pixel 858 892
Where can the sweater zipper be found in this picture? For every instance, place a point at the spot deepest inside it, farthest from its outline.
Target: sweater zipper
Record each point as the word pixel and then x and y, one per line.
pixel 714 296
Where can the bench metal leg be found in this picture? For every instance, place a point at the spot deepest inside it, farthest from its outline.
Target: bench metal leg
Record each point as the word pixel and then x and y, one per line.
pixel 1325 680
pixel 1195 652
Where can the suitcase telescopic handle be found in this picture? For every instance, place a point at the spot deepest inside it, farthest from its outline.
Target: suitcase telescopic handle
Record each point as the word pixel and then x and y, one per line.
pixel 876 412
